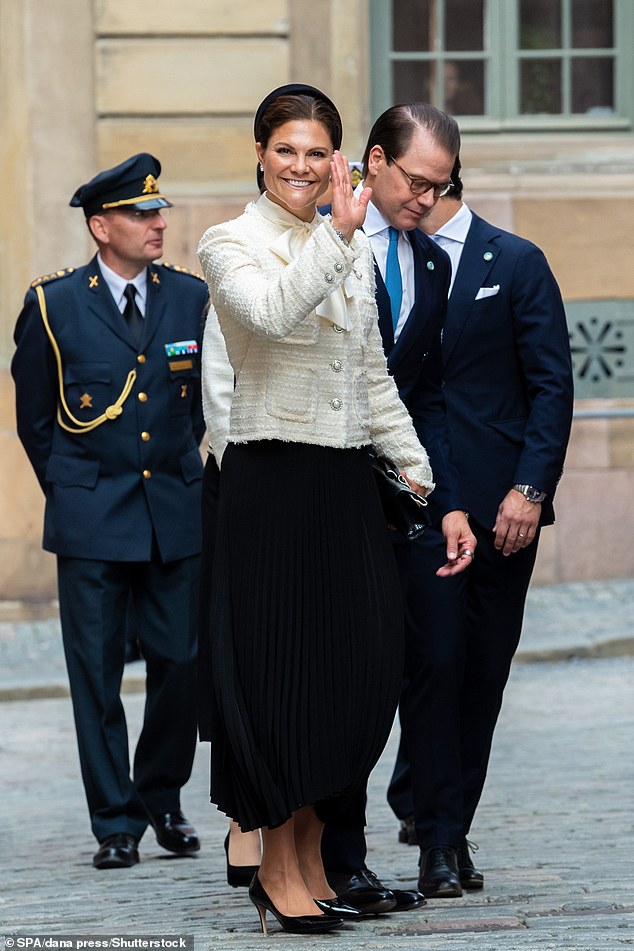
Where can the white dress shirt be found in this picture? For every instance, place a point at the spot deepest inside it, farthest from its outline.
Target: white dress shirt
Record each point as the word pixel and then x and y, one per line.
pixel 452 236
pixel 377 230
pixel 117 285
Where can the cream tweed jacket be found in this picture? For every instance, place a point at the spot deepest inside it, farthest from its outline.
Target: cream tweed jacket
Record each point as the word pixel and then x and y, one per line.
pixel 301 377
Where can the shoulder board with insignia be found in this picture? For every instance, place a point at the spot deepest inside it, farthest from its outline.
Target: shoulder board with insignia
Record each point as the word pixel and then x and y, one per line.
pixel 52 277
pixel 183 270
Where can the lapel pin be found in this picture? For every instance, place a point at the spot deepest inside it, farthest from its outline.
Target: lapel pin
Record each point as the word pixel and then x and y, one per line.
pixel 155 278
pixel 430 265
pixel 487 255
pixel 93 281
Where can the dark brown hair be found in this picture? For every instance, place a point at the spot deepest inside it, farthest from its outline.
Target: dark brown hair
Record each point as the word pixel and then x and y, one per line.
pixel 456 181
pixel 293 108
pixel 296 108
pixel 395 128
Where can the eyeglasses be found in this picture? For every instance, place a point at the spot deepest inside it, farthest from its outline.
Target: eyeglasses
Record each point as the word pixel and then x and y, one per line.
pixel 420 186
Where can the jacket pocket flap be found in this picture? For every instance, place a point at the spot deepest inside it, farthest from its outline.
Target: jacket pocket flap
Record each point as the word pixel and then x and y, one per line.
pixel 64 471
pixel 87 373
pixel 513 429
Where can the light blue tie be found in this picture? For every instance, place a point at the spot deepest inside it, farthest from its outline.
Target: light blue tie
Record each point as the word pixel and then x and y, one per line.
pixel 393 280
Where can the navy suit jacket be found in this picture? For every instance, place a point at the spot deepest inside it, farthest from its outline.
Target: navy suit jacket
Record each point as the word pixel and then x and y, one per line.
pixel 415 362
pixel 136 479
pixel 507 371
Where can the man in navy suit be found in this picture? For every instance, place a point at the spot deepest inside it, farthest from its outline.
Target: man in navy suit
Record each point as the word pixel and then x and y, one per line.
pixel 109 412
pixel 408 161
pixel 507 383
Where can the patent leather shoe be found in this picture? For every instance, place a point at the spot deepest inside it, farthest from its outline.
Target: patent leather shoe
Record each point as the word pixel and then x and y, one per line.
pixel 175 833
pixel 439 876
pixel 471 878
pixel 117 851
pixel 363 891
pixel 407 900
pixel 336 908
pixel 294 924
pixel 238 876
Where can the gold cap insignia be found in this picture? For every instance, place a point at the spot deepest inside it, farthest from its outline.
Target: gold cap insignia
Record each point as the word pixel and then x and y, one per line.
pixel 150 185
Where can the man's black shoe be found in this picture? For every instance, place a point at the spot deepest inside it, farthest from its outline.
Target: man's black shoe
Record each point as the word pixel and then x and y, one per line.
pixel 407 900
pixel 470 877
pixel 175 833
pixel 439 877
pixel 407 832
pixel 117 851
pixel 363 891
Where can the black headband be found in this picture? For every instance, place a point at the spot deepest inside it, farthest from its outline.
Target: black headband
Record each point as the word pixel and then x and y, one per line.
pixel 290 89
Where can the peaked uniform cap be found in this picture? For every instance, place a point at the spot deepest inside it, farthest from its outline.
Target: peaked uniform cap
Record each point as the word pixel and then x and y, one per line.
pixel 132 184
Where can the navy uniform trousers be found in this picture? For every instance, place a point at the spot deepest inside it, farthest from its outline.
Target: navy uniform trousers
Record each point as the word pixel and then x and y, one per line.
pixel 123 518
pixel 93 598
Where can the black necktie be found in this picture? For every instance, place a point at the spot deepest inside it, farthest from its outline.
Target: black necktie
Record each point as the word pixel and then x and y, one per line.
pixel 132 314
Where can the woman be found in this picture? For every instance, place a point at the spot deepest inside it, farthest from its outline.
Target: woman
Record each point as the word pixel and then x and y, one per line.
pixel 305 616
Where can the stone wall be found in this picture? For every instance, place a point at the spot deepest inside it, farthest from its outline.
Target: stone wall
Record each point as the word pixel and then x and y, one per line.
pixel 85 84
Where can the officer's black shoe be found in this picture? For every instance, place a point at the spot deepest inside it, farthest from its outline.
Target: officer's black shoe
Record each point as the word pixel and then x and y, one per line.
pixel 439 877
pixel 175 833
pixel 117 851
pixel 470 877
pixel 363 891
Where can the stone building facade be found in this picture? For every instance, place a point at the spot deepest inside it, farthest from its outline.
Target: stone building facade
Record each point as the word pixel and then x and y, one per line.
pixel 85 83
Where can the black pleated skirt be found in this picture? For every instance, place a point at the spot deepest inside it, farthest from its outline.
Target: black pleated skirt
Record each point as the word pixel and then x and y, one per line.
pixel 305 631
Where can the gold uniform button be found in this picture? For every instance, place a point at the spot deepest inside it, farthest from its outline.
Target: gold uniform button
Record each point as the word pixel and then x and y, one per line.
pixel 147 474
pixel 142 397
pixel 145 437
pixel 141 358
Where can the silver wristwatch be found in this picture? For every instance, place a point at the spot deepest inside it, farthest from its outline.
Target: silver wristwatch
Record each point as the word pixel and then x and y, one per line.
pixel 530 492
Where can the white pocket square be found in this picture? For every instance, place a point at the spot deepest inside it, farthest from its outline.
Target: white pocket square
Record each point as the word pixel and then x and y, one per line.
pixel 487 292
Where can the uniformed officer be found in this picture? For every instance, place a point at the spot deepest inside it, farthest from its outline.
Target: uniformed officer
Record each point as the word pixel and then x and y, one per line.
pixel 109 412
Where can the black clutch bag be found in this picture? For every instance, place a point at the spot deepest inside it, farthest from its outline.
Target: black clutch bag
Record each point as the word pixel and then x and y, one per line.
pixel 402 507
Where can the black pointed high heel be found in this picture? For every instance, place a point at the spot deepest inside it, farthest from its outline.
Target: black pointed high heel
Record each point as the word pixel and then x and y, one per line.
pixel 295 924
pixel 336 908
pixel 238 876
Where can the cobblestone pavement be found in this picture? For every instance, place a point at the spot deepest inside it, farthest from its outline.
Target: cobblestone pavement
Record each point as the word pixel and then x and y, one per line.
pixel 584 619
pixel 554 827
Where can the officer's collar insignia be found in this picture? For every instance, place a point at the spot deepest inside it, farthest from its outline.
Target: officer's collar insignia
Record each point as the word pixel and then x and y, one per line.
pixel 155 278
pixel 150 185
pixel 93 281
pixel 85 401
